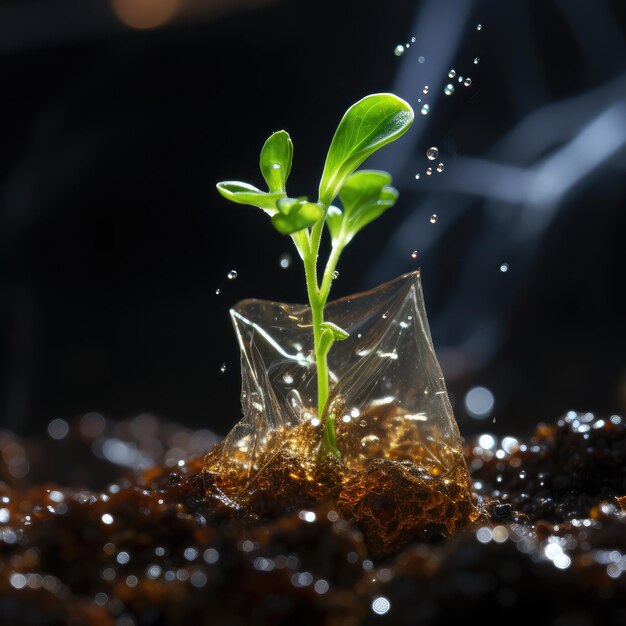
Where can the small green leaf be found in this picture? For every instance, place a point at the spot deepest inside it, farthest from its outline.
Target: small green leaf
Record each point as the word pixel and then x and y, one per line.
pixel 285 205
pixel 301 215
pixel 339 334
pixel 243 193
pixel 275 161
pixel 367 125
pixel 334 219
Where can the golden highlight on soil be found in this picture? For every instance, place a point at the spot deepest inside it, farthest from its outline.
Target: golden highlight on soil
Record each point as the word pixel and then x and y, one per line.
pixel 393 497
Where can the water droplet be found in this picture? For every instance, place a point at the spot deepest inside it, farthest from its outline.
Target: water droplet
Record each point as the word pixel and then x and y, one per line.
pixel 412 39
pixel 362 423
pixel 467 82
pixel 448 89
pixel 440 167
pixel 460 79
pixel 452 73
pixel 421 59
pixel 476 60
pixel 217 291
pixel 504 267
pixel 432 153
pixel 232 275
pixel 275 166
pixel 287 378
pixel 284 260
pixel 335 275
pixel 426 89
pixel 417 176
pixel 223 368
pixel 399 50
pixel 419 99
pixel 414 254
pixel 407 45
pixel 434 218
pixel 479 27
pixel 429 171
pixel 425 109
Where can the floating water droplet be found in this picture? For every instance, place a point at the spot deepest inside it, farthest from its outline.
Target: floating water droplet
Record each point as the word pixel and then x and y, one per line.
pixel 232 275
pixel 426 89
pixel 452 73
pixel 223 368
pixel 440 167
pixel 284 260
pixel 448 89
pixel 399 50
pixel 476 60
pixel 412 39
pixel 287 378
pixel 217 291
pixel 417 176
pixel 414 254
pixel 460 79
pixel 335 275
pixel 434 218
pixel 504 267
pixel 467 82
pixel 432 153
pixel 407 45
pixel 479 27
pixel 429 171
pixel 425 109
pixel 421 59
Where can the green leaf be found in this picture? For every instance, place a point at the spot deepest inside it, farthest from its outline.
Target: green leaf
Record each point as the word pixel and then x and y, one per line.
pixel 285 205
pixel 367 125
pixel 365 196
pixel 301 215
pixel 339 334
pixel 334 219
pixel 329 334
pixel 243 193
pixel 275 161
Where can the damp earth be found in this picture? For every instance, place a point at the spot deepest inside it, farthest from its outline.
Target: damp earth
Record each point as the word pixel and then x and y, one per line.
pixel 121 523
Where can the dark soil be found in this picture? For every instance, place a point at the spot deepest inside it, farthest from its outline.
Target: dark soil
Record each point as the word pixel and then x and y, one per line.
pixel 158 542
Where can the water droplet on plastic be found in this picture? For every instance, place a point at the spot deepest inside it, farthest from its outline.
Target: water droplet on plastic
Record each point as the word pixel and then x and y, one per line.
pixel 476 60
pixel 284 260
pixel 232 275
pixel 425 109
pixel 287 378
pixel 467 82
pixel 440 167
pixel 217 291
pixel 223 368
pixel 479 27
pixel 414 254
pixel 417 176
pixel 426 89
pixel 434 218
pixel 448 89
pixel 399 50
pixel 421 59
pixel 452 73
pixel 504 267
pixel 429 171
pixel 432 153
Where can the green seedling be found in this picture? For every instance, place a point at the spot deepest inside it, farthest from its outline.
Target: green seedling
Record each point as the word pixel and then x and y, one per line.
pixel 365 195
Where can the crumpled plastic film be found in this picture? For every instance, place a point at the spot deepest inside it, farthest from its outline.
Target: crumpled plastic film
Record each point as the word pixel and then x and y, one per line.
pixel 388 395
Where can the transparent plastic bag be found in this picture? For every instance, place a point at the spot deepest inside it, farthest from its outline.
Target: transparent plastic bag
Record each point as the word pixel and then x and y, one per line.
pixel 387 391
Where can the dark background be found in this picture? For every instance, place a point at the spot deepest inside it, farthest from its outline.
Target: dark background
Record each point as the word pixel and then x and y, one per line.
pixel 114 240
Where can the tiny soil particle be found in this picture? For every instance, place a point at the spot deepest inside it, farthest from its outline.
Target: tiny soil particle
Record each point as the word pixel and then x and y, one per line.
pixel 89 537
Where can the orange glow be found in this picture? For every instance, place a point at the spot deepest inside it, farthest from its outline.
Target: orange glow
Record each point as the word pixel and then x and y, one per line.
pixel 145 14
